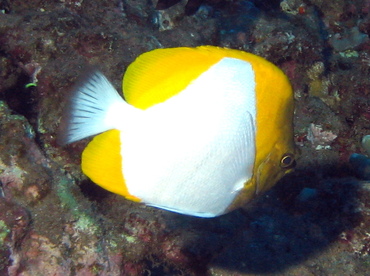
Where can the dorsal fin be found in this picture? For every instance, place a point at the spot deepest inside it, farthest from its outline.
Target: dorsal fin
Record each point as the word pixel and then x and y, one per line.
pixel 158 75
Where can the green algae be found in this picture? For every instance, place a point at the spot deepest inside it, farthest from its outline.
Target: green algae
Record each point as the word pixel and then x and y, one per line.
pixel 129 239
pixel 349 54
pixel 4 231
pixel 85 222
pixel 65 195
pixel 366 144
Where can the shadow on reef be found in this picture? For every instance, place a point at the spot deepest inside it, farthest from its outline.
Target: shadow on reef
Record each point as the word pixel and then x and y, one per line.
pixel 93 191
pixel 20 98
pixel 300 217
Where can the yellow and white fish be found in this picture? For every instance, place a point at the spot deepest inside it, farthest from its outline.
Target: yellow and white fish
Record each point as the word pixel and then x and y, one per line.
pixel 201 130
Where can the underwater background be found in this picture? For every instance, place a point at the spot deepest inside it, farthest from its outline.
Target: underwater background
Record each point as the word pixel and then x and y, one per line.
pixel 54 221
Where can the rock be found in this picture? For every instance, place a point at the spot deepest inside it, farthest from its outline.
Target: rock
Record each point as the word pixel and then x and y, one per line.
pixel 361 165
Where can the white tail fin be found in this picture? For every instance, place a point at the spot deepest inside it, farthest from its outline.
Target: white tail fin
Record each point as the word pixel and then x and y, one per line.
pixel 91 109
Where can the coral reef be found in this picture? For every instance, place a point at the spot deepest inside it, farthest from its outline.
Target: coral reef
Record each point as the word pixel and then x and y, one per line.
pixel 54 221
pixel 320 138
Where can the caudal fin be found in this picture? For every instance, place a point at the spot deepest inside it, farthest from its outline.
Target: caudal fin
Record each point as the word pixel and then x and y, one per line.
pixel 90 109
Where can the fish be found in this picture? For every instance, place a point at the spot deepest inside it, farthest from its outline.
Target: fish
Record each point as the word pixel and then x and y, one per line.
pixel 199 131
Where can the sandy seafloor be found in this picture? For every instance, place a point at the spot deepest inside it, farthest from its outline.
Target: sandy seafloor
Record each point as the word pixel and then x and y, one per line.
pixel 54 221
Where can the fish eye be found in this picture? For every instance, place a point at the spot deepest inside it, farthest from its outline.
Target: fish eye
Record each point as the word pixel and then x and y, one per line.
pixel 287 161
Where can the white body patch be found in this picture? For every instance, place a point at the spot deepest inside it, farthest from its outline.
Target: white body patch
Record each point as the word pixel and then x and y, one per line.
pixel 193 153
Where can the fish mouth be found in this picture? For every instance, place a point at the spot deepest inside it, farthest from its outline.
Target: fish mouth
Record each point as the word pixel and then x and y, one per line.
pixel 265 175
pixel 269 172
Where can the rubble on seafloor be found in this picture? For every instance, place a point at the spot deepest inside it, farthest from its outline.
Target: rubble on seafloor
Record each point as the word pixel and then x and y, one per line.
pixel 54 221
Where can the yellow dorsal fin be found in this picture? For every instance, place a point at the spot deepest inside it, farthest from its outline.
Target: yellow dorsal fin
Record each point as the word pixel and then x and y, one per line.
pixel 102 163
pixel 158 75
